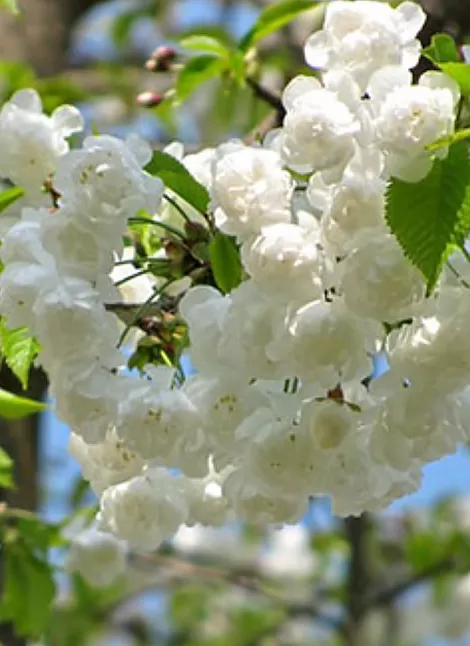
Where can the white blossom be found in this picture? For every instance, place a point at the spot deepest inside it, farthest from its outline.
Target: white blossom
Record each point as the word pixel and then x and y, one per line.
pixel 145 509
pixel 285 261
pixel 250 190
pixel 319 128
pixel 411 117
pixel 98 557
pixel 366 36
pixel 378 281
pixel 31 143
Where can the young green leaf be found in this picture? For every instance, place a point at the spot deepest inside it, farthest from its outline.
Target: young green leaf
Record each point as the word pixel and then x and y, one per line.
pixel 177 178
pixel 9 196
pixel 19 350
pixel 444 54
pixel 123 23
pixel 29 590
pixel 11 6
pixel 272 18
pixel 442 49
pixel 430 218
pixel 460 72
pixel 15 407
pixel 197 71
pixel 38 534
pixel 121 27
pixel 6 471
pixel 204 43
pixel 225 262
pixel 424 549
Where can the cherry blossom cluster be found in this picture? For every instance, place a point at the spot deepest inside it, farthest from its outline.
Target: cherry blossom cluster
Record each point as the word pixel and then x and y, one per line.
pixel 285 403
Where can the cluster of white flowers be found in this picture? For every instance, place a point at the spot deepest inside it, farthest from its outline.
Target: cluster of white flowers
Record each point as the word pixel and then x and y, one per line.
pixel 283 405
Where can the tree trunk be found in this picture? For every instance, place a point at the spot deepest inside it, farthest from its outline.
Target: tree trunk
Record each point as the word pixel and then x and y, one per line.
pixel 41 34
pixel 359 533
pixel 20 440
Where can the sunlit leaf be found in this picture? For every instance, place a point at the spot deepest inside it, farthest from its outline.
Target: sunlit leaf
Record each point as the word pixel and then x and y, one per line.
pixel 176 177
pixel 197 70
pixel 19 350
pixel 6 470
pixel 15 407
pixel 274 17
pixel 431 218
pixel 11 6
pixel 9 197
pixel 204 43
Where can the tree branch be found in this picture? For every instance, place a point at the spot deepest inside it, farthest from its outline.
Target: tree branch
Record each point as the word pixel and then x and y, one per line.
pixel 385 595
pixel 246 577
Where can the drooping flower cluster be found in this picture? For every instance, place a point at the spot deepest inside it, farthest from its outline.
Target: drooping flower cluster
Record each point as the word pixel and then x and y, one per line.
pixel 284 404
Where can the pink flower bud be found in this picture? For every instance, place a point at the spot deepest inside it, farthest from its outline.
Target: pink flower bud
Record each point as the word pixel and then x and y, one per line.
pixel 149 99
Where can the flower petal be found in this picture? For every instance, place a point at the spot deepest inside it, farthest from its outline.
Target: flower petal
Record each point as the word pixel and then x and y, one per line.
pixel 28 100
pixel 412 18
pixel 67 120
pixel 317 50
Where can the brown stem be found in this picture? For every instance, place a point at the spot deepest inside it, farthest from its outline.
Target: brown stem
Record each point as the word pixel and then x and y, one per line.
pixel 358 532
pixel 266 95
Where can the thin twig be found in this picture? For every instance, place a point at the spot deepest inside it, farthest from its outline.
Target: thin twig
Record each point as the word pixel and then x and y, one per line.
pixel 130 277
pixel 266 95
pixel 157 223
pixel 178 207
pixel 142 310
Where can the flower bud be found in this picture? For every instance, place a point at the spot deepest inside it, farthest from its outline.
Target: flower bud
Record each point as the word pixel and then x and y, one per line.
pixel 149 99
pixel 161 59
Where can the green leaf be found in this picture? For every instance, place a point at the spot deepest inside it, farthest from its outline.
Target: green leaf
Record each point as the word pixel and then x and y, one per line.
pixel 80 491
pixel 431 217
pixel 273 18
pixel 238 67
pixel 19 350
pixel 28 591
pixel 176 177
pixel 14 76
pixel 442 49
pixel 204 43
pixel 225 262
pixel 216 31
pixel 39 535
pixel 249 624
pixel 460 72
pixel 124 22
pixel 444 54
pixel 11 6
pixel 9 196
pixel 56 91
pixel 197 71
pixel 423 549
pixel 189 606
pixel 14 407
pixel 6 471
